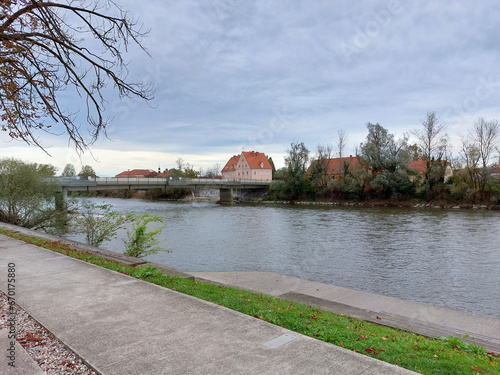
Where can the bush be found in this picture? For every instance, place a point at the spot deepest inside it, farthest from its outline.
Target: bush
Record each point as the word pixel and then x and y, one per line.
pixel 98 222
pixel 140 242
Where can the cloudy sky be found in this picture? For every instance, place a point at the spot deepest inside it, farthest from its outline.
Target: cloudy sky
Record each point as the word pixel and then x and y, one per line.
pixel 235 75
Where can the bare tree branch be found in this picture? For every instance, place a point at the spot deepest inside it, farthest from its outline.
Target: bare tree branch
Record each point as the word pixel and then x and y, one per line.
pixel 43 52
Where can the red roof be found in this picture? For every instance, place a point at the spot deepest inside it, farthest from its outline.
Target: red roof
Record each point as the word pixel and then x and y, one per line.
pixel 257 160
pixel 420 165
pixel 231 164
pixel 336 165
pixel 135 173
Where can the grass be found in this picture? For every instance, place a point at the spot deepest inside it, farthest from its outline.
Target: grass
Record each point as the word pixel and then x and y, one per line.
pixel 415 352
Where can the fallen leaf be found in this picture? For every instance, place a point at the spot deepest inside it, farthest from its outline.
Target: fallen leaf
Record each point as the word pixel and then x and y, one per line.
pixel 384 338
pixel 478 369
pixel 371 350
pixel 379 318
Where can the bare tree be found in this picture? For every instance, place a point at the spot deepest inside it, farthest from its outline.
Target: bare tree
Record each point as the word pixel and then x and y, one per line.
pixel 485 135
pixel 44 51
pixel 341 142
pixel 319 167
pixel 471 155
pixel 430 138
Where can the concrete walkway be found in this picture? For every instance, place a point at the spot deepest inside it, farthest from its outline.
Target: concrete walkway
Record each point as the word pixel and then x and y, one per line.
pixel 428 320
pixel 120 325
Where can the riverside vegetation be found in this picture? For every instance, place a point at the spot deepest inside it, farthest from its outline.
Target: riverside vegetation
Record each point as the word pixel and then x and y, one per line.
pixel 415 352
pixel 381 170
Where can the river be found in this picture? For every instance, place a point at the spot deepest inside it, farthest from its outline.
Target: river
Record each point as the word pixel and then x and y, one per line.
pixel 448 258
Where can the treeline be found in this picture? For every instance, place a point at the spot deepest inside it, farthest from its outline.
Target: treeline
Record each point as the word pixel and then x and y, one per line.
pixel 381 168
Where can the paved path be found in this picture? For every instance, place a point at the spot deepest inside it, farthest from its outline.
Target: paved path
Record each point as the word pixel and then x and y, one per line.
pixel 416 317
pixel 120 325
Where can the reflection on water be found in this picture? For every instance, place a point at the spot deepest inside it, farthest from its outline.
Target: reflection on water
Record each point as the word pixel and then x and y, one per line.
pixel 444 257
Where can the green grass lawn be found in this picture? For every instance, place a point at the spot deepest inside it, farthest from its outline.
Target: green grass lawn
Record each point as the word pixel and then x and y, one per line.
pixel 408 350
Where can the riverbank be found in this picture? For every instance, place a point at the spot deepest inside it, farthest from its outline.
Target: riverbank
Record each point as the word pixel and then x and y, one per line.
pixel 378 343
pixel 391 204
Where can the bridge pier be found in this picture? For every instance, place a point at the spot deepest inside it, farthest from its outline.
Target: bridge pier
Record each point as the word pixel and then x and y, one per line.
pixel 61 200
pixel 226 196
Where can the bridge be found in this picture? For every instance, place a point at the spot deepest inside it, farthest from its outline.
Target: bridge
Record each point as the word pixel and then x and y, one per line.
pixel 113 183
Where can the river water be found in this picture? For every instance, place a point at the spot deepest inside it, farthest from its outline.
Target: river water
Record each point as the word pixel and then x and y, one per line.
pixel 448 258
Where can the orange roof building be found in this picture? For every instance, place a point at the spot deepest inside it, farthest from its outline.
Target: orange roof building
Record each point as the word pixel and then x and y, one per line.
pixel 420 166
pixel 135 173
pixel 335 167
pixel 250 165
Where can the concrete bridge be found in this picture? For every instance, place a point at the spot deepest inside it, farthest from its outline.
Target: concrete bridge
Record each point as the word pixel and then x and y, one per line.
pixel 113 183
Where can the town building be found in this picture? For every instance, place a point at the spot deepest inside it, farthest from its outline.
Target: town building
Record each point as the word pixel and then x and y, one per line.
pixel 137 173
pixel 420 166
pixel 336 166
pixel 249 165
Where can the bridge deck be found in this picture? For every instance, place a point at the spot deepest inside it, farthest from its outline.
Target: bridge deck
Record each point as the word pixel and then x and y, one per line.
pixel 111 183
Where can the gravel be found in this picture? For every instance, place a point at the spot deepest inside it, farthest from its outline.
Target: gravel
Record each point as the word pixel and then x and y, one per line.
pixel 52 355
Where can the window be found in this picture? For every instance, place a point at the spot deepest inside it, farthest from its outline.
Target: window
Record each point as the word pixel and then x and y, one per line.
pixel 247 173
pixel 261 172
pixel 254 172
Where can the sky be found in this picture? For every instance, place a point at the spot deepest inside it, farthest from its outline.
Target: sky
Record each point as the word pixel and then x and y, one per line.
pixel 234 75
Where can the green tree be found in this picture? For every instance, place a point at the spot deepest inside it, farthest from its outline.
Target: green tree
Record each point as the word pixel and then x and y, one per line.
pixel 86 172
pixel 140 242
pixel 27 194
pixel 69 171
pixel 43 52
pixel 388 160
pixel 319 170
pixel 296 161
pixel 270 159
pixel 382 152
pixel 98 222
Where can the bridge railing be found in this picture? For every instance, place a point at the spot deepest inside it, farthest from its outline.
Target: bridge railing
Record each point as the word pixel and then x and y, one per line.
pixel 96 181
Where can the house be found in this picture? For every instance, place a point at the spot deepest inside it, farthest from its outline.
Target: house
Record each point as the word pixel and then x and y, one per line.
pixel 420 166
pixel 137 173
pixel 249 165
pixel 495 172
pixel 336 166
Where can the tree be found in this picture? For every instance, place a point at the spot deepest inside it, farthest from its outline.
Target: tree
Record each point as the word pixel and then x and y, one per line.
pixel 86 172
pixel 471 156
pixel 382 152
pixel 388 160
pixel 213 172
pixel 429 140
pixel 69 171
pixel 319 168
pixel 43 51
pixel 273 167
pixel 297 158
pixel 485 135
pixel 296 161
pixel 341 142
pixel 98 222
pixel 416 153
pixel 26 195
pixel 139 241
